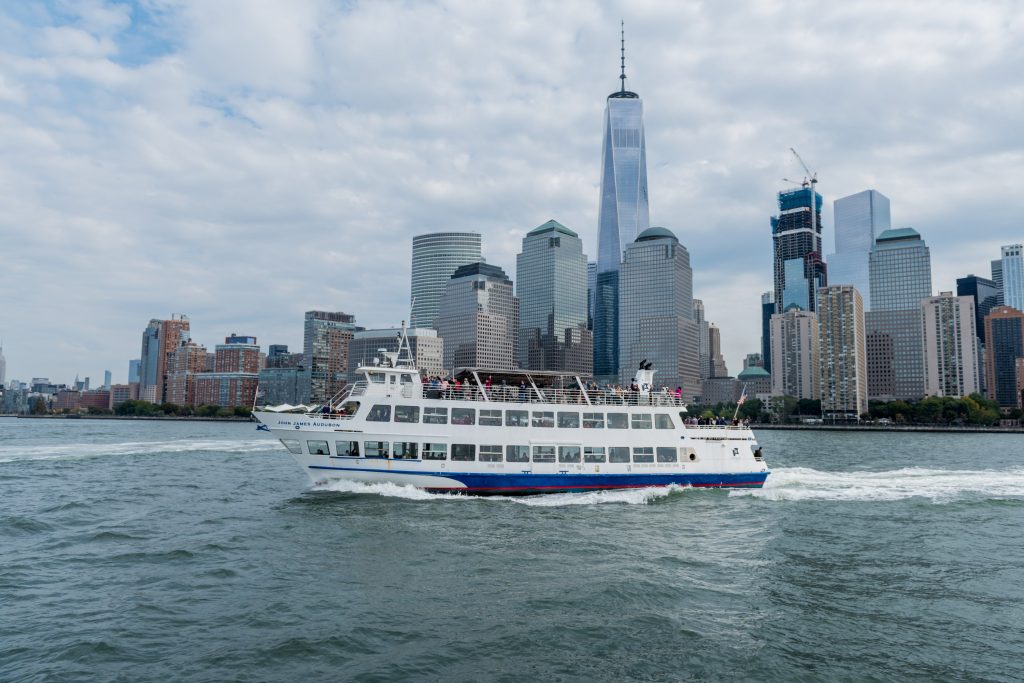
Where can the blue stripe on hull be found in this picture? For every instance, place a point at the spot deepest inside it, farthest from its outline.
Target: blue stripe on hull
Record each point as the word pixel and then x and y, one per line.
pixel 508 484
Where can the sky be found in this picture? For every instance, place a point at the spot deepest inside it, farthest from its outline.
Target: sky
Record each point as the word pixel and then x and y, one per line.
pixel 244 161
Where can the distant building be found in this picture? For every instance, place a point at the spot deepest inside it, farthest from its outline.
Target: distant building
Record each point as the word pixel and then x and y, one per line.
pixel 1004 330
pixel 795 370
pixel 159 341
pixel 119 393
pixel 188 361
pixel 656 312
pixel 717 390
pixel 901 278
pixel 859 219
pixel 591 287
pixel 279 357
pixel 3 367
pixel 237 354
pixel 1012 270
pixel 435 256
pixel 478 319
pixel 715 357
pixel 133 370
pixel 950 346
pixel 551 281
pixel 106 379
pixel 767 311
pixel 98 399
pixel 753 360
pixel 226 389
pixel 842 356
pixel 703 339
pixel 326 337
pixel 985 295
pixel 796 235
pixel 997 279
pixel 757 380
pixel 426 346
pixel 283 384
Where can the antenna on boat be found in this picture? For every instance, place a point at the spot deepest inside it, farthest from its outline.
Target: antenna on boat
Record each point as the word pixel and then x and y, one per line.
pixel 403 346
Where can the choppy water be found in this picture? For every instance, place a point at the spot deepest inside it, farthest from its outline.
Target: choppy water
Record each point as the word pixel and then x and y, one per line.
pixel 197 551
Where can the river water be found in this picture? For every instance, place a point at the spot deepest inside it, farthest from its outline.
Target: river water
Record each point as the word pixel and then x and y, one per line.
pixel 155 551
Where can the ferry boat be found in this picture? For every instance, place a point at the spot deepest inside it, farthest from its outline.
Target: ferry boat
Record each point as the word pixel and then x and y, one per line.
pixel 510 432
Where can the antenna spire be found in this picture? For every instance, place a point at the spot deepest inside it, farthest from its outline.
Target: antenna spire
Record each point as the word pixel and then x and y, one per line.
pixel 622 76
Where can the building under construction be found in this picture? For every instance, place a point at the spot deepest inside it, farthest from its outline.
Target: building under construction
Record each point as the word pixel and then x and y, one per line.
pixel 796 233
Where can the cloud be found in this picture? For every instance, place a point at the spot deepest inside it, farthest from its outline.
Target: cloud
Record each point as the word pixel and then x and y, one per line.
pixel 243 162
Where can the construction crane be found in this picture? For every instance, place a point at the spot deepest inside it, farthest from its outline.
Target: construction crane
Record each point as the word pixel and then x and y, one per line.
pixel 811 179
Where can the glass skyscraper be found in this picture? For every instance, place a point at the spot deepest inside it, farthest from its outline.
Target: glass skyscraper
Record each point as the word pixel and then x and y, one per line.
pixel 796 234
pixel 859 219
pixel 657 315
pixel 901 278
pixel 622 215
pixel 985 295
pixel 326 335
pixel 435 257
pixel 551 283
pixel 1012 270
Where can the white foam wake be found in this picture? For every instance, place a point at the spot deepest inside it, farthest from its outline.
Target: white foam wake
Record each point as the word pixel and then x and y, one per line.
pixel 15 453
pixel 620 496
pixel 940 486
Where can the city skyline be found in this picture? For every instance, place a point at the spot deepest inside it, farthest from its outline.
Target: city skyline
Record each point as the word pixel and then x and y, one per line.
pixel 247 174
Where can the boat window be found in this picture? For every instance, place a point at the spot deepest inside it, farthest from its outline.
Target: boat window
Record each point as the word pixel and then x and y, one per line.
pixel 517 418
pixel 641 421
pixel 292 445
pixel 375 449
pixel 517 454
pixel 376 377
pixel 543 418
pixel 663 421
pixel 379 413
pixel 350 408
pixel 568 454
pixel 463 451
pixel 318 448
pixel 618 454
pixel 618 420
pixel 435 416
pixel 435 451
pixel 593 420
pixel 490 453
pixel 569 420
pixel 406 378
pixel 593 454
pixel 407 413
pixel 349 449
pixel 490 418
pixel 543 453
pixel 405 450
pixel 667 454
pixel 689 454
pixel 643 454
pixel 463 416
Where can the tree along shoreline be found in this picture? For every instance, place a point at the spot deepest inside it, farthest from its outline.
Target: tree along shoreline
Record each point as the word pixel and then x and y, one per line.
pixel 963 429
pixel 171 418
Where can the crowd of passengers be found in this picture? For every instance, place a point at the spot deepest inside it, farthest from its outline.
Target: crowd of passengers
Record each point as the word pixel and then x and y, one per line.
pixel 610 394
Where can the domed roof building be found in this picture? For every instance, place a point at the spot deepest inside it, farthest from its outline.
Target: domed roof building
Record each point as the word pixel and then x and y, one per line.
pixel 756 379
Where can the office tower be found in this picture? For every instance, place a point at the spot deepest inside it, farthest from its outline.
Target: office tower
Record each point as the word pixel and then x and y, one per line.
pixel 551 280
pixel 106 379
pixel 796 235
pixel 767 311
pixel 715 357
pixel 160 340
pixel 1012 271
pixel 656 312
pixel 591 286
pixel 1004 330
pixel 997 279
pixel 622 215
pixel 435 256
pixel 950 345
pixel 859 219
pixel 325 346
pixel 842 356
pixel 795 351
pixel 426 347
pixel 134 366
pixel 478 319
pixel 985 295
pixel 901 277
pixel 187 361
pixel 753 360
pixel 3 367
pixel 703 337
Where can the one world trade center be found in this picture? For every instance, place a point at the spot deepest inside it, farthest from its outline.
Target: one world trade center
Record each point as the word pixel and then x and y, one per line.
pixel 623 214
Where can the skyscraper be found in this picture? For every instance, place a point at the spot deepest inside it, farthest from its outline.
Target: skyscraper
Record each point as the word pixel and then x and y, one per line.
pixel 985 296
pixel 478 319
pixel 326 336
pixel 1004 330
pixel 795 370
pixel 703 339
pixel 551 281
pixel 160 340
pixel 3 366
pixel 435 257
pixel 796 234
pixel 950 345
pixel 715 357
pixel 842 357
pixel 901 277
pixel 622 215
pixel 1012 270
pixel 767 311
pixel 859 219
pixel 656 312
pixel 997 279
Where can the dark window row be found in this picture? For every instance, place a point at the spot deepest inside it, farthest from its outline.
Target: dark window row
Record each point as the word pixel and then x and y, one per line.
pixel 519 418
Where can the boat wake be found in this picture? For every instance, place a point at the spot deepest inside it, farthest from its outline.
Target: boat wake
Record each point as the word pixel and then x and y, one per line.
pixel 18 453
pixel 640 496
pixel 939 486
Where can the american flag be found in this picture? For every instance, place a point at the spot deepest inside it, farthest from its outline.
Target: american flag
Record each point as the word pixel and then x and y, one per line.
pixel 743 396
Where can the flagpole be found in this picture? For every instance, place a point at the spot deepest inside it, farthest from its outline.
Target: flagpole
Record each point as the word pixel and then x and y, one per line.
pixel 743 397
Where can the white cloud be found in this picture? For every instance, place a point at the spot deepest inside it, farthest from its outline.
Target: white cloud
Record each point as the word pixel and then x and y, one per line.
pixel 243 162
